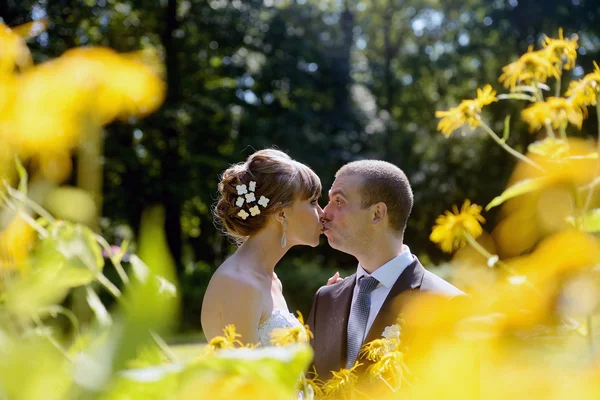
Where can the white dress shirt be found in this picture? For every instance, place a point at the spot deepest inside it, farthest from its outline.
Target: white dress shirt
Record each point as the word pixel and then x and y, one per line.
pixel 387 275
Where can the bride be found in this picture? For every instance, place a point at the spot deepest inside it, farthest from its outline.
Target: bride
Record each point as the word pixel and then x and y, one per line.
pixel 268 204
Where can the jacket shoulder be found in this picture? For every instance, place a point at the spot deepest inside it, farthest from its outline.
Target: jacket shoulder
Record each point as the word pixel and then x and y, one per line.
pixel 434 284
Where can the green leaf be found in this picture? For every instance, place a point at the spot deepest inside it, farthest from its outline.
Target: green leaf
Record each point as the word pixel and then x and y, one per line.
pixel 271 371
pixel 516 96
pixel 519 188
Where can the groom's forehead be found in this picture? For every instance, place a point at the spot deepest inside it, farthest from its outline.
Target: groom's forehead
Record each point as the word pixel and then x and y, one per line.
pixel 345 185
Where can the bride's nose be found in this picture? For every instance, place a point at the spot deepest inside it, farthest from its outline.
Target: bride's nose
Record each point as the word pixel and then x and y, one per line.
pixel 320 211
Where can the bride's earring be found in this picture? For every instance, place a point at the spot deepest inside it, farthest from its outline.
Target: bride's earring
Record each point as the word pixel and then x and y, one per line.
pixel 283 238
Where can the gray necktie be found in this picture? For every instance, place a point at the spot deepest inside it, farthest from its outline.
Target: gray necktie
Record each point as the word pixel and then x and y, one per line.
pixel 357 323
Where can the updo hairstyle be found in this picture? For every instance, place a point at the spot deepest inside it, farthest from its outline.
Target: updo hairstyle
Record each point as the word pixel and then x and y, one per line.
pixel 278 177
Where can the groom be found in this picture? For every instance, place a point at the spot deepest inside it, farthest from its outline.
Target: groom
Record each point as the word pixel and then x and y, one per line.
pixel 369 204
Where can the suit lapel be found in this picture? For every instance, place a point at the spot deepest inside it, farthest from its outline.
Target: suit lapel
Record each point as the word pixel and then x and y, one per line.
pixel 410 279
pixel 340 307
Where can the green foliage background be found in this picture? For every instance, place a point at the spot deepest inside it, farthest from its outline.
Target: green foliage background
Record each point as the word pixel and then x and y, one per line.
pixel 327 81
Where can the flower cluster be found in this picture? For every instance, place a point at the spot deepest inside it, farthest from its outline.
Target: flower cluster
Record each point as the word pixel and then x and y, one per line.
pixel 452 228
pixel 247 195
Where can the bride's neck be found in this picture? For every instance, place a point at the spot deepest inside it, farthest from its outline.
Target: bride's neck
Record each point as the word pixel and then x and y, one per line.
pixel 264 250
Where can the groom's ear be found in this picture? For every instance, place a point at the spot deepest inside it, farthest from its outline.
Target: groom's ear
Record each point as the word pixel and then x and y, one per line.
pixel 379 212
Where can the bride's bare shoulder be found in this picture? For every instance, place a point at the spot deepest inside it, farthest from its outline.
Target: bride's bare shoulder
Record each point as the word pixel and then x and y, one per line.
pixel 232 277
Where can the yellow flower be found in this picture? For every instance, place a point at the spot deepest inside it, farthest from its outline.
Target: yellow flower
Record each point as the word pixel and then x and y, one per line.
pixel 452 227
pixel 342 383
pixel 556 111
pixel 227 341
pixel 533 66
pixel 550 147
pixel 14 49
pixel 562 48
pixel 467 112
pixel 296 334
pixel 84 87
pixel 585 91
pixel 314 383
pixel 390 367
pixel 374 350
pixel 16 240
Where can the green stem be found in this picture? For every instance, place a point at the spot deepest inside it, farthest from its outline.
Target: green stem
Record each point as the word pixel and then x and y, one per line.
pixel 164 347
pixel 113 259
pixel 558 84
pixel 563 133
pixel 510 150
pixel 38 323
pixel 499 263
pixel 55 310
pixel 112 289
pixel 30 203
pixel 550 130
pixel 387 383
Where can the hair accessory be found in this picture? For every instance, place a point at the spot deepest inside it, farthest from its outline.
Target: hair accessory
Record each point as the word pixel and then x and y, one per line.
pixel 263 201
pixel 249 197
pixel 243 214
pixel 241 189
pixel 254 211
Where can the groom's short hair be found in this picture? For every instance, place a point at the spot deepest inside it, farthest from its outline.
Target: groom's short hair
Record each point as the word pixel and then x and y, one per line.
pixel 383 182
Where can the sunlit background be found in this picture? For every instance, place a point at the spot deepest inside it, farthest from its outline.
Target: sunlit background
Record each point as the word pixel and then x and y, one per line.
pixel 123 114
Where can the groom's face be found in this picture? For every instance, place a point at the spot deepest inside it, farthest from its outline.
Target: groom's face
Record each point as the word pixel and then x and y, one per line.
pixel 346 222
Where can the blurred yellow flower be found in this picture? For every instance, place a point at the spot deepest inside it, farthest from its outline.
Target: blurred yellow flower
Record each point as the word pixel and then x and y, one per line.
pixel 295 334
pixel 467 112
pixel 84 87
pixel 229 340
pixel 585 91
pixel 14 49
pixel 16 240
pixel 556 111
pixel 342 383
pixel 531 67
pixel 562 49
pixel 550 147
pixel 452 227
pixel 390 367
pixel 314 383
pixel 374 350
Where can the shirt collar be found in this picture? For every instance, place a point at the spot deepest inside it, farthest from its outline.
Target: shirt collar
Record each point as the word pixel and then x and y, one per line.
pixel 389 272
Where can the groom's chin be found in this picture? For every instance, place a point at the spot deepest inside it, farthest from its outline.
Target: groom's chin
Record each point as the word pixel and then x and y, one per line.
pixel 332 243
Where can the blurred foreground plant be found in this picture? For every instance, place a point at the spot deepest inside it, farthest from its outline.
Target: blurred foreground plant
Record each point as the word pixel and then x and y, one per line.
pixel 530 319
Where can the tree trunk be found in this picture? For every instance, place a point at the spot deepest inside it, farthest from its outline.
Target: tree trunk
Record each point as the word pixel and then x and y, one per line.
pixel 171 166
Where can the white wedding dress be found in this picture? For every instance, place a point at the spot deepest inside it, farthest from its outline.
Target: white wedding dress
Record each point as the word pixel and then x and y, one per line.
pixel 278 319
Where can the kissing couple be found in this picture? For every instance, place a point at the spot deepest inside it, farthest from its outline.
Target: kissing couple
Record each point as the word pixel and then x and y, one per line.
pixel 269 203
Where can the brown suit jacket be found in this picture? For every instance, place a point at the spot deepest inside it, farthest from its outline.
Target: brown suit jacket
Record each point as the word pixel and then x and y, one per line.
pixel 328 318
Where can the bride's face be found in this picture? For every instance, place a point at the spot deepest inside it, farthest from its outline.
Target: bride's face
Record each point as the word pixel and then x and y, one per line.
pixel 304 222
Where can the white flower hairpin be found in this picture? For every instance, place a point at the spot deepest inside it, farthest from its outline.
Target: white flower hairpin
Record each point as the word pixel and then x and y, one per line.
pixel 243 214
pixel 263 201
pixel 254 211
pixel 241 189
pixel 249 197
